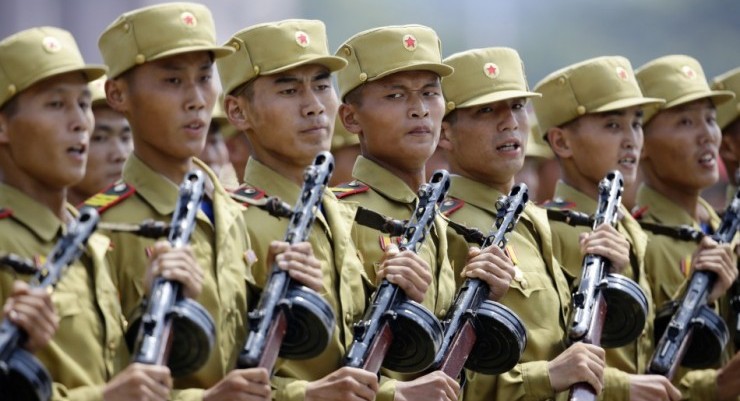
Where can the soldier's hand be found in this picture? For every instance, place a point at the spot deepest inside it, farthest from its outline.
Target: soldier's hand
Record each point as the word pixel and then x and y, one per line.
pixel 652 388
pixel 139 382
pixel 492 266
pixel 345 384
pixel 728 386
pixel 581 362
pixel 606 241
pixel 711 256
pixel 435 386
pixel 299 262
pixel 176 264
pixel 407 270
pixel 241 385
pixel 32 310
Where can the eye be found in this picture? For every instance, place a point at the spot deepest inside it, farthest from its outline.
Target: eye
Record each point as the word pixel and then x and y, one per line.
pixel 98 138
pixel 173 80
pixel 55 104
pixel 323 87
pixel 394 96
pixel 484 110
pixel 612 125
pixel 685 122
pixel 291 91
pixel 206 78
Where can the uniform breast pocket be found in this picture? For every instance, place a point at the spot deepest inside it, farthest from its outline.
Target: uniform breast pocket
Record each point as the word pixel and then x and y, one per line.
pixel 527 285
pixel 66 304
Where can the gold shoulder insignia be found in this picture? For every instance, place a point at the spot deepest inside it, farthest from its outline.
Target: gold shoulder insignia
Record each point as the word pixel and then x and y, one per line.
pixel 110 196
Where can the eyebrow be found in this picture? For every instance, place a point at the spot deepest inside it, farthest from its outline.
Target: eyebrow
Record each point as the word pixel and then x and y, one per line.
pixel 430 84
pixel 286 79
pixel 181 66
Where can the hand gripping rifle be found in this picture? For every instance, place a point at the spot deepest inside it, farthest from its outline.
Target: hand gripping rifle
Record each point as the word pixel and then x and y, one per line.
pixel 480 334
pixel 175 330
pixel 590 321
pixel 292 320
pixel 695 335
pixel 395 332
pixel 22 376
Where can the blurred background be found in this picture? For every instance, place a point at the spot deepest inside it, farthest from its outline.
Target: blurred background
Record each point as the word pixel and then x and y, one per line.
pixel 548 34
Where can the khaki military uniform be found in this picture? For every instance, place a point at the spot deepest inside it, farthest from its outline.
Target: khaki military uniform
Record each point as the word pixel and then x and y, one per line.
pixel 219 248
pixel 668 263
pixel 88 348
pixel 541 298
pixel 344 280
pixel 632 358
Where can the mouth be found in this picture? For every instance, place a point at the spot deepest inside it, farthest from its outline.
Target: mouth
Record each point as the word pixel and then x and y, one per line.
pixel 195 125
pixel 77 150
pixel 315 129
pixel 421 130
pixel 707 158
pixel 627 161
pixel 510 146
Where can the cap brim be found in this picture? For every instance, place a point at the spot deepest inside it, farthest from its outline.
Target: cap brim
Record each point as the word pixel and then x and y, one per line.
pixel 330 62
pixel 442 70
pixel 629 102
pixel 497 97
pixel 91 72
pixel 718 97
pixel 218 51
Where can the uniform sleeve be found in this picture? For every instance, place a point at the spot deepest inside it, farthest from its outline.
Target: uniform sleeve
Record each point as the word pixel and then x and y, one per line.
pixel 288 389
pixel 616 385
pixel 87 393
pixel 387 390
pixel 699 385
pixel 190 394
pixel 529 381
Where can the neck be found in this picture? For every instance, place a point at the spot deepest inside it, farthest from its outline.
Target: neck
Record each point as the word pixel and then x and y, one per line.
pixel 686 198
pixel 580 182
pixel 413 178
pixel 503 187
pixel 174 169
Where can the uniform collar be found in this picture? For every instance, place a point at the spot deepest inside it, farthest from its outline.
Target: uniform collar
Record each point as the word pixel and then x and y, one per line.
pixel 266 179
pixel 475 193
pixel 664 211
pixel 38 218
pixel 581 201
pixel 382 181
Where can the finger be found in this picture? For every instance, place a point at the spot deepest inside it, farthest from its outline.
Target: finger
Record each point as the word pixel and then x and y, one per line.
pixel 303 248
pixel 310 281
pixel 591 378
pixel 419 279
pixel 673 392
pixel 403 264
pixel 411 291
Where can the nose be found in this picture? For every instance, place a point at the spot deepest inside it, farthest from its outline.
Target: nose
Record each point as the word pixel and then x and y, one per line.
pixel 313 106
pixel 417 106
pixel 508 121
pixel 197 97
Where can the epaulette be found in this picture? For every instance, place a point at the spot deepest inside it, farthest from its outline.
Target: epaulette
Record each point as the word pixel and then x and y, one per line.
pixel 451 205
pixel 350 188
pixel 638 212
pixel 558 203
pixel 247 195
pixel 682 233
pixel 109 197
pixel 5 212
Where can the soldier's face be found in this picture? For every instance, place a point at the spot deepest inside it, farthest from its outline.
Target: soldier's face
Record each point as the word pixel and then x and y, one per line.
pixel 168 103
pixel 682 145
pixel 599 143
pixel 730 149
pixel 398 118
pixel 289 117
pixel 487 142
pixel 46 141
pixel 110 145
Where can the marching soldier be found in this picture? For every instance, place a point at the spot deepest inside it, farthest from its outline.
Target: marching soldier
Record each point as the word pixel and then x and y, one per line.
pixel 392 99
pixel 110 146
pixel 727 119
pixel 591 115
pixel 678 161
pixel 485 136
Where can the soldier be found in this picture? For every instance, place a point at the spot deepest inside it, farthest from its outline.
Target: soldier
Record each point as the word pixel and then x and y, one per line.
pixel 215 153
pixel 678 161
pixel 161 65
pixel 591 115
pixel 110 146
pixel 392 99
pixel 280 96
pixel 45 126
pixel 728 121
pixel 485 136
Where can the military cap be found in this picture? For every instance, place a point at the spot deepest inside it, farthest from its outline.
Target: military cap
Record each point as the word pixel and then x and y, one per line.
pixel 30 56
pixel 536 145
pixel 275 47
pixel 97 90
pixel 484 76
pixel 677 79
pixel 729 111
pixel 592 86
pixel 379 52
pixel 159 31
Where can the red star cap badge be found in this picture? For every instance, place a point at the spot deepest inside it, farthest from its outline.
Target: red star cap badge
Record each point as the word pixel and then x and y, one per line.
pixel 51 44
pixel 622 73
pixel 409 42
pixel 491 70
pixel 688 72
pixel 188 19
pixel 302 39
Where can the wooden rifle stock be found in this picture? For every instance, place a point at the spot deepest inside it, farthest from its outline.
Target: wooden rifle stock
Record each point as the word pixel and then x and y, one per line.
pixel 583 391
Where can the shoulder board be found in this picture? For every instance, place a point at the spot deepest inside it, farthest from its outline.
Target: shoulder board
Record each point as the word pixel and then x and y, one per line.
pixel 110 196
pixel 451 205
pixel 638 212
pixel 558 203
pixel 4 212
pixel 350 188
pixel 682 233
pixel 246 195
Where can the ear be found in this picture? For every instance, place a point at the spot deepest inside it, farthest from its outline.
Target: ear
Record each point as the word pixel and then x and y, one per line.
pixel 445 135
pixel 727 149
pixel 234 107
pixel 558 139
pixel 116 92
pixel 348 117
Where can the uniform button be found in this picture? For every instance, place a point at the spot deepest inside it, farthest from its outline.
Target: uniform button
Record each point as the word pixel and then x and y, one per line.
pixel 443 312
pixel 348 317
pixel 112 345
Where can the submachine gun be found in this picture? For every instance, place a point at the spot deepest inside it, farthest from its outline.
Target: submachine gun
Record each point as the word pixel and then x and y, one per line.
pixel 291 320
pixel 689 332
pixel 591 321
pixel 22 376
pixel 175 330
pixel 482 335
pixel 397 333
